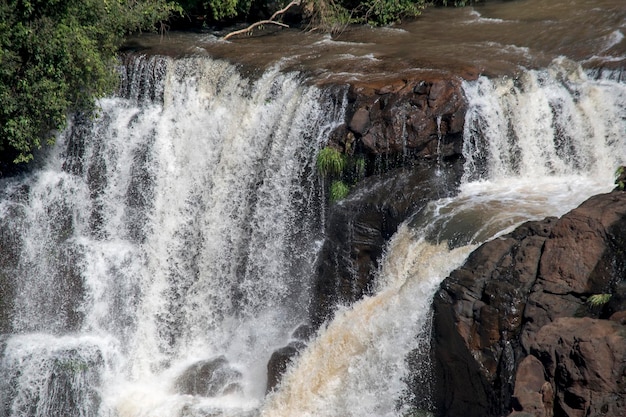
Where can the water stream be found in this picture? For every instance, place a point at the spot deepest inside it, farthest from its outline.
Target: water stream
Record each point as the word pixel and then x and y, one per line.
pixel 176 227
pixel 177 232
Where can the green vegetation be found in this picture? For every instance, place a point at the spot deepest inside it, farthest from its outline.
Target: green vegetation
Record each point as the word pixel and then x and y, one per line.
pixel 341 170
pixel 384 12
pixel 57 56
pixel 620 177
pixel 338 191
pixel 72 366
pixel 330 162
pixel 597 300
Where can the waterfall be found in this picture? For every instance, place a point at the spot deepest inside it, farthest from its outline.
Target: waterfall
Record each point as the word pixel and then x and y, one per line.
pixel 166 247
pixel 173 233
pixel 534 146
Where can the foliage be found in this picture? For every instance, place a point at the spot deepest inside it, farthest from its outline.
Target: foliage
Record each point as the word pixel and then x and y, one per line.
pixel 338 191
pixel 72 366
pixel 596 300
pixel 359 167
pixel 216 10
pixel 620 177
pixel 330 162
pixel 343 171
pixel 384 12
pixel 57 56
pixel 328 15
pixel 325 15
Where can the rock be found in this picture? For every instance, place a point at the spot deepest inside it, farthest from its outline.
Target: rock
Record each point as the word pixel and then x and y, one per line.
pixel 279 361
pixel 533 394
pixel 360 121
pixel 421 117
pixel 209 378
pixel 489 312
pixel 281 358
pixel 585 361
pixel 359 226
pixel 619 317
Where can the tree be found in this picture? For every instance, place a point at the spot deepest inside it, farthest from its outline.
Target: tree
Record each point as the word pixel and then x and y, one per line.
pixel 57 56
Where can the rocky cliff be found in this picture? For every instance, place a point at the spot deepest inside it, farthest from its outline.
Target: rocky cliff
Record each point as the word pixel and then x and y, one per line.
pixel 521 330
pixel 411 134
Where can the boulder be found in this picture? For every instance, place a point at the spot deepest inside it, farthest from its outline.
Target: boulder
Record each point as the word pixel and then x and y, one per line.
pixel 533 393
pixel 209 378
pixel 281 358
pixel 279 361
pixel 490 312
pixel 584 363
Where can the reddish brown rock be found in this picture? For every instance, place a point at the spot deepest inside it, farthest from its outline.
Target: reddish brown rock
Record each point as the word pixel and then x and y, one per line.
pixel 585 361
pixel 533 393
pixel 423 118
pixel 489 313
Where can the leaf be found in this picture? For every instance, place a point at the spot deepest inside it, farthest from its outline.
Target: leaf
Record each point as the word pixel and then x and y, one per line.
pixel 596 300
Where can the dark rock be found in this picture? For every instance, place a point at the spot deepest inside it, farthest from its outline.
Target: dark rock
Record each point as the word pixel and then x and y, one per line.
pixel 209 378
pixel 421 88
pixel 360 121
pixel 358 228
pixel 279 361
pixel 489 312
pixel 303 332
pixel 421 118
pixel 281 358
pixel 619 317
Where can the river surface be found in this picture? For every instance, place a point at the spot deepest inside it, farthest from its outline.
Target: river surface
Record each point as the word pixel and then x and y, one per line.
pixel 492 38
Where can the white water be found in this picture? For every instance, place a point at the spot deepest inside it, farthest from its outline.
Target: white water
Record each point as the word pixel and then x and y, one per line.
pixel 189 224
pixel 188 219
pixel 535 147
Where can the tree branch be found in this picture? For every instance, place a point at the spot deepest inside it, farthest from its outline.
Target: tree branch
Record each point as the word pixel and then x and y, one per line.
pixel 269 21
pixel 284 9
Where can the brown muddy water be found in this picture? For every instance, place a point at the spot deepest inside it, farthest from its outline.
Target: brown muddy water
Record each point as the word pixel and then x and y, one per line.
pixel 492 38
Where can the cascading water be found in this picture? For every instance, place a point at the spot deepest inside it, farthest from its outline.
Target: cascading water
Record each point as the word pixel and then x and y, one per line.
pixel 534 147
pixel 165 249
pixel 174 233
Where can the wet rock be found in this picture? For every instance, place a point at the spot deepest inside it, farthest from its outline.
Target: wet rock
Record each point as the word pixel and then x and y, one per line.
pixel 209 378
pixel 279 361
pixel 422 117
pixel 533 393
pixel 360 121
pixel 359 226
pixel 489 312
pixel 281 358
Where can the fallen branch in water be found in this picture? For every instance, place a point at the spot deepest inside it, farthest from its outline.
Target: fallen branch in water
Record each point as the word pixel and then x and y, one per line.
pixel 269 21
